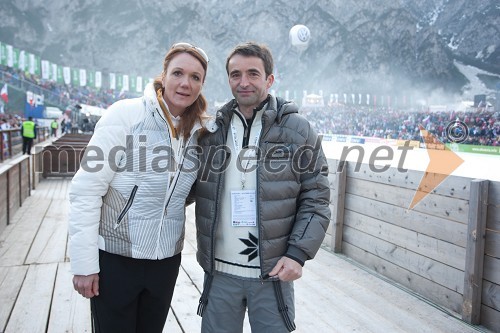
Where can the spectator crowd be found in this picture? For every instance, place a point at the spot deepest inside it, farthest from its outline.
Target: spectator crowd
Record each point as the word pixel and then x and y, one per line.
pixel 62 94
pixel 483 126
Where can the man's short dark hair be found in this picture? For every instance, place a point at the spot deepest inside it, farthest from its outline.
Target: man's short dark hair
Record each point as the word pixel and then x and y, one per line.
pixel 252 49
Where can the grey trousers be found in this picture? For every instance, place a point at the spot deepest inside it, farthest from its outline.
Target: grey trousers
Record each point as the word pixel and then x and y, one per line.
pixel 229 297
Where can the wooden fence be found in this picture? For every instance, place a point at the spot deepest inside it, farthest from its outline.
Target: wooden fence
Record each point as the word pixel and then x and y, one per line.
pixel 62 157
pixel 447 248
pixel 11 141
pixel 15 187
pixel 19 175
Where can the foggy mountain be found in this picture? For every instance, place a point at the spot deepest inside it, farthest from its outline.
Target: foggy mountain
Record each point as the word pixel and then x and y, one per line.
pixel 365 46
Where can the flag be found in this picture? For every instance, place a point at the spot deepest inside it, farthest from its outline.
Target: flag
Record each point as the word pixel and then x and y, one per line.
pixel 112 81
pixel 75 77
pixel 139 84
pixel 98 79
pixel 83 78
pixel 31 63
pixel 126 82
pixel 5 93
pixel 67 75
pixel 45 69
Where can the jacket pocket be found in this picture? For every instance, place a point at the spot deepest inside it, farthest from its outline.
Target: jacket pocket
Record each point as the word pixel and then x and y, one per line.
pixel 127 206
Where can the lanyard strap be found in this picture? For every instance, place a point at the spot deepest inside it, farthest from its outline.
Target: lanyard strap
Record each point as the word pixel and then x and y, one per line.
pixel 238 149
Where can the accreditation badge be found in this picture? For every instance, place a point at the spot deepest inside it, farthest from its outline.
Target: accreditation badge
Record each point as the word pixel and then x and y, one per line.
pixel 243 208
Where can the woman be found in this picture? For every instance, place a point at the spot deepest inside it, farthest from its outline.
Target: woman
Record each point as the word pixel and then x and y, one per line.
pixel 126 222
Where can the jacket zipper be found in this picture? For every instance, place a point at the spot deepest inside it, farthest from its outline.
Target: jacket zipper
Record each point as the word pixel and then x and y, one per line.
pixel 127 206
pixel 257 194
pixel 215 221
pixel 307 226
pixel 180 167
pixel 167 199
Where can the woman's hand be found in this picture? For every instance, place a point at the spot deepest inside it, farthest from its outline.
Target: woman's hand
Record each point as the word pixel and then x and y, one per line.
pixel 87 285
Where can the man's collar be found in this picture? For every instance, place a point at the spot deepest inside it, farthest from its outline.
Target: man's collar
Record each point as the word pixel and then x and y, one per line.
pixel 262 104
pixel 258 107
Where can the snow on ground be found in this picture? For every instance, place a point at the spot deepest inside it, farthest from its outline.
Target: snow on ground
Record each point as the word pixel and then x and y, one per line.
pixel 475 165
pixel 476 86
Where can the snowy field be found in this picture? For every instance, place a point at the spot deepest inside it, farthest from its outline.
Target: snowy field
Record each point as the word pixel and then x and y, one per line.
pixel 480 166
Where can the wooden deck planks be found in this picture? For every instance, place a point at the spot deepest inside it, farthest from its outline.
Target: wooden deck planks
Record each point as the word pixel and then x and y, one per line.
pixel 49 244
pixel 334 295
pixel 11 280
pixel 32 308
pixel 185 303
pixel 172 325
pixel 16 239
pixel 387 300
pixel 69 312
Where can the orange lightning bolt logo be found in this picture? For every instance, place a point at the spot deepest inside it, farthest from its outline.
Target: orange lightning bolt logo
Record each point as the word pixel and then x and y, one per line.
pixel 442 162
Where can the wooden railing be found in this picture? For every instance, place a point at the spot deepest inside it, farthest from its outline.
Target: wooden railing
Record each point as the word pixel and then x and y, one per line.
pixel 447 248
pixel 62 157
pixel 11 141
pixel 19 175
pixel 15 187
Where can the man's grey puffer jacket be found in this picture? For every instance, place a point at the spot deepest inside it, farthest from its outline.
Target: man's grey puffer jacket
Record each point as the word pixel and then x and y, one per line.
pixel 292 186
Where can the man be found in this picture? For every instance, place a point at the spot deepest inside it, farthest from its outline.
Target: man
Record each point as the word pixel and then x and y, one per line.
pixel 68 126
pixel 4 125
pixel 54 125
pixel 63 126
pixel 262 201
pixel 28 130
